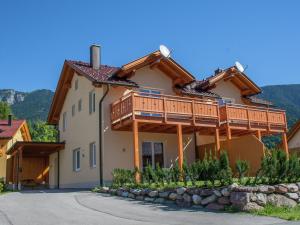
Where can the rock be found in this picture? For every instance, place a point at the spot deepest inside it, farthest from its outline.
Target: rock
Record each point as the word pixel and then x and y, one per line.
pixel 153 194
pixel 280 189
pixel 206 192
pixel 113 191
pixel 232 186
pixel 169 202
pixel 298 184
pixel 280 200
pixel 182 203
pixel 293 196
pixel 173 196
pixel 180 190
pixel 215 206
pixel 217 193
pixel 136 191
pixel 159 200
pixel 125 194
pixel 245 189
pixel 266 189
pixel 240 198
pixel 187 197
pixel 147 199
pixel 261 199
pixel 197 206
pixel 225 192
pixel 208 200
pixel 105 189
pixel 139 198
pixel 130 195
pixel 196 199
pixel 292 188
pixel 164 194
pixel 251 206
pixel 223 200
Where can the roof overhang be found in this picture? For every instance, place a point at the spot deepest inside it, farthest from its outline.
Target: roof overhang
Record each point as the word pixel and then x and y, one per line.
pixel 170 67
pixel 36 149
pixel 292 132
pixel 239 79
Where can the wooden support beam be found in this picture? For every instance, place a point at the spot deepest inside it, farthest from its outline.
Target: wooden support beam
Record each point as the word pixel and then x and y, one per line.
pixel 20 158
pixel 228 137
pixel 180 146
pixel 258 134
pixel 136 153
pixel 285 144
pixel 14 164
pixel 217 140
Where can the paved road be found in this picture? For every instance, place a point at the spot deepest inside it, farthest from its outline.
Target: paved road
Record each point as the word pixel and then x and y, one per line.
pixel 85 208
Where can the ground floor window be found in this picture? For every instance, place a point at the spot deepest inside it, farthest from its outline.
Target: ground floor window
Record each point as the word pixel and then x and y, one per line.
pixel 93 155
pixel 152 154
pixel 76 160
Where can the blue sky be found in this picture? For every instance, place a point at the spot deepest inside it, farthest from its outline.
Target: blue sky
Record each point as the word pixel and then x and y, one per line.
pixel 36 37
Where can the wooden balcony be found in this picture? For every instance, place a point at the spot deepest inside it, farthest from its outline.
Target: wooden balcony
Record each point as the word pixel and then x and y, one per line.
pixel 242 117
pixel 163 112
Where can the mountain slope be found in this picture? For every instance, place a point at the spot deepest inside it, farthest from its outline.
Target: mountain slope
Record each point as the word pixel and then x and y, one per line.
pixel 30 106
pixel 285 97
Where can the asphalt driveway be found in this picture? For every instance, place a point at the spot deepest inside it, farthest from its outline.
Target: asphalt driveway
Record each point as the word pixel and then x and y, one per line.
pixel 85 208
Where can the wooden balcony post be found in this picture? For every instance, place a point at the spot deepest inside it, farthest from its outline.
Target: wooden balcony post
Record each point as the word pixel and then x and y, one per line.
pixel 136 153
pixel 285 144
pixel 20 158
pixel 14 171
pixel 217 140
pixel 228 137
pixel 180 146
pixel 258 135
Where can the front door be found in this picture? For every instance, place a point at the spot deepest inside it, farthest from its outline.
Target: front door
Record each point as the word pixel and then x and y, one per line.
pixel 152 154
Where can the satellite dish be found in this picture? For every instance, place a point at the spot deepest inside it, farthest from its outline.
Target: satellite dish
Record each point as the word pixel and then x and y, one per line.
pixel 240 67
pixel 164 51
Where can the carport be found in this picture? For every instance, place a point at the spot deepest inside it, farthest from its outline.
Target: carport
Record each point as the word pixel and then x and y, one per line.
pixel 28 163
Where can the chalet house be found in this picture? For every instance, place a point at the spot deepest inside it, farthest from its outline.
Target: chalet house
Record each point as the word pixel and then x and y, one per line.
pixel 11 131
pixel 293 138
pixel 152 111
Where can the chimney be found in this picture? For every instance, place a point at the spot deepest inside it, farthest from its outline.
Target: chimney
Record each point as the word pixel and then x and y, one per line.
pixel 95 56
pixel 217 71
pixel 9 120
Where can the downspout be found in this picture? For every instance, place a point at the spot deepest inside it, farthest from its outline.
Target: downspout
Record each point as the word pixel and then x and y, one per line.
pixel 58 157
pixel 101 136
pixel 195 144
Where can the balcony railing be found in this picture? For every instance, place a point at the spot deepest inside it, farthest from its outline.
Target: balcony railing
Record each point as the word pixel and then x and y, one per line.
pixel 168 109
pixel 253 117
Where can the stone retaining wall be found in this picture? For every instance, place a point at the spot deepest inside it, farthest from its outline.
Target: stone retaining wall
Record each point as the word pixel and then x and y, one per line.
pixel 244 198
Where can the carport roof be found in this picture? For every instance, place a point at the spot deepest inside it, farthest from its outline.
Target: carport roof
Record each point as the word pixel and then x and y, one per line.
pixel 36 148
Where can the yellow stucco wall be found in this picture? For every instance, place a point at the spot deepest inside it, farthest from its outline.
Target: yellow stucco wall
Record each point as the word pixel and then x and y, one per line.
pixel 4 146
pixel 82 129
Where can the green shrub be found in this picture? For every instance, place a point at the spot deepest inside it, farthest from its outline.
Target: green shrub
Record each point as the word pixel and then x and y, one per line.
pixel 122 177
pixel 242 168
pixel 225 172
pixel 2 185
pixel 293 169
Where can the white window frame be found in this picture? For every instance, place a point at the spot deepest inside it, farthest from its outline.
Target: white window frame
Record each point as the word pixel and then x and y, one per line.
pixel 64 125
pixel 92 102
pixel 73 110
pixel 93 155
pixel 152 150
pixel 76 84
pixel 79 105
pixel 76 159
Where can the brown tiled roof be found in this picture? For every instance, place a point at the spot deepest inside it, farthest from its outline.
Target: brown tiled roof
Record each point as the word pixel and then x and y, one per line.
pixel 7 131
pixel 257 100
pixel 194 88
pixel 106 74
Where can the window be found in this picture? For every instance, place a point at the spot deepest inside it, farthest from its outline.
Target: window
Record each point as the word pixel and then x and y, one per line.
pixel 224 101
pixel 152 154
pixel 92 99
pixel 76 160
pixel 73 110
pixel 64 121
pixel 93 159
pixel 79 105
pixel 76 84
pixel 155 93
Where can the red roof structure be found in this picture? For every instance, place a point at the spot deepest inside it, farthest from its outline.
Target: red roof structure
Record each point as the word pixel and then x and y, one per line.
pixel 8 131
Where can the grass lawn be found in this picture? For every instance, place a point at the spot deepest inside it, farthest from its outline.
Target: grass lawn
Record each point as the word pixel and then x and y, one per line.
pixel 280 212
